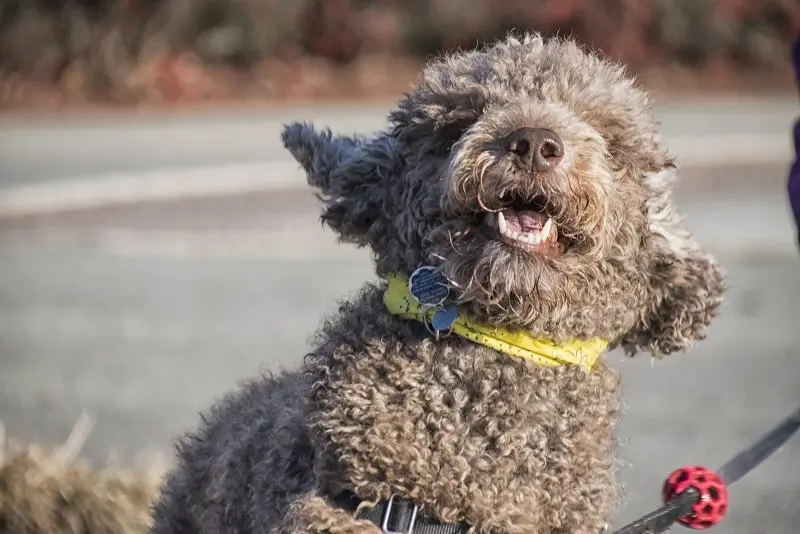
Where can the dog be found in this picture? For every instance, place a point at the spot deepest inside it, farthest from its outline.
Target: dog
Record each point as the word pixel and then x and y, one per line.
pixel 519 211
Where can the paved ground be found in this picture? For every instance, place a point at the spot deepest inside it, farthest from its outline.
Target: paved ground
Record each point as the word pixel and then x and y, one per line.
pixel 142 315
pixel 59 149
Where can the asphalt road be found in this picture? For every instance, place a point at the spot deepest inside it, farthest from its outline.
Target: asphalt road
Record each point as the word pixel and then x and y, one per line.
pixel 142 315
pixel 47 149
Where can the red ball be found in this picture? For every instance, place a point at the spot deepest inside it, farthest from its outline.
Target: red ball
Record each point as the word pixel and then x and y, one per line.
pixel 713 503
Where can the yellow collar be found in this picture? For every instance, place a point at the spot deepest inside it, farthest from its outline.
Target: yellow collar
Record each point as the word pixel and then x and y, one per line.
pixel 399 302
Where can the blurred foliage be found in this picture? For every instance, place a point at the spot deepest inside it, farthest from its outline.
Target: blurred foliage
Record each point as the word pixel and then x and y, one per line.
pixel 115 48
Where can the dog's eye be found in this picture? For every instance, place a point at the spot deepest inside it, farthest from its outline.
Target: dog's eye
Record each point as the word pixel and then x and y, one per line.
pixel 454 129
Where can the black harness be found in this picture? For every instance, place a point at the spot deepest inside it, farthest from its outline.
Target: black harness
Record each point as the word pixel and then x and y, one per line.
pixel 397 516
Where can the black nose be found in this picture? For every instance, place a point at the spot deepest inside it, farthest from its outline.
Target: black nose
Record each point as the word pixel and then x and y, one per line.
pixel 538 149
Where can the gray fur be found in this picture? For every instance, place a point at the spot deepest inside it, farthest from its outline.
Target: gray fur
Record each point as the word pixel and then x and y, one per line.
pixel 379 407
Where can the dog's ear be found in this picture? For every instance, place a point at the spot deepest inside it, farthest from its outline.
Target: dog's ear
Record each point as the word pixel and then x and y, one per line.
pixel 686 283
pixel 351 175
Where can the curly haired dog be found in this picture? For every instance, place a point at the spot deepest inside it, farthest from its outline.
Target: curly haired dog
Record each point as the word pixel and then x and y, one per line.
pixel 530 177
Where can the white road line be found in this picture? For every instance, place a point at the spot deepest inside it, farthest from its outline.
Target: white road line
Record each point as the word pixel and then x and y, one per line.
pixel 733 149
pixel 89 192
pixel 306 245
pixel 81 193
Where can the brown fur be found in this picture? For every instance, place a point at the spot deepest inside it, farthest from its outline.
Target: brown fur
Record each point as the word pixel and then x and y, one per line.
pixel 470 434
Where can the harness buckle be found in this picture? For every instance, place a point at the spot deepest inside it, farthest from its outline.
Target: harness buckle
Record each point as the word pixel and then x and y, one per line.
pixel 388 514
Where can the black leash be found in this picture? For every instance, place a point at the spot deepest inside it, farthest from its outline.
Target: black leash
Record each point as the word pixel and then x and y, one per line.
pixel 697 497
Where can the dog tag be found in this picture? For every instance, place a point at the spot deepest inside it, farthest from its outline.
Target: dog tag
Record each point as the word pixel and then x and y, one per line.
pixel 428 286
pixel 443 320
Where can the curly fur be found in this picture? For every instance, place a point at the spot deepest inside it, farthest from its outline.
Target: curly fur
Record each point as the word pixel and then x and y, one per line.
pixel 380 408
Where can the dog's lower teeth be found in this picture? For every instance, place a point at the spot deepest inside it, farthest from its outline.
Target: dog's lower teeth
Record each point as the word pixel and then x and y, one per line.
pixel 533 238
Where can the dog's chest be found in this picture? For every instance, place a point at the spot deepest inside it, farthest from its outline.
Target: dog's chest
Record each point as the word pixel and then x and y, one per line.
pixel 457 425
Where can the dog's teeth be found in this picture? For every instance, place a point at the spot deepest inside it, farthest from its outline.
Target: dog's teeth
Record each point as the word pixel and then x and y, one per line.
pixel 546 228
pixel 501 223
pixel 533 238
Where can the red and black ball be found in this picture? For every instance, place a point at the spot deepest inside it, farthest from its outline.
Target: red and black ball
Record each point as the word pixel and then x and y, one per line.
pixel 713 502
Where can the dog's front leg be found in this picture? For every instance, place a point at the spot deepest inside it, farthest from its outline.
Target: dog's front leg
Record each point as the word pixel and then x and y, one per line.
pixel 312 514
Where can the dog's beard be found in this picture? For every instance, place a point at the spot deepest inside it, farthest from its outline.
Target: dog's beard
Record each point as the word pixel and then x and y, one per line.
pixel 500 283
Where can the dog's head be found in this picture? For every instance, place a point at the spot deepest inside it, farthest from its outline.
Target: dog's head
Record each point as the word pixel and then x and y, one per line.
pixel 531 174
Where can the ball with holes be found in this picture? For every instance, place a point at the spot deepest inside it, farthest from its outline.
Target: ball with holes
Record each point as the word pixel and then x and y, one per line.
pixel 713 503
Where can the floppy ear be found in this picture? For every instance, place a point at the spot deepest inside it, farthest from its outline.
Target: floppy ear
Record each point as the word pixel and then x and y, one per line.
pixel 350 174
pixel 686 283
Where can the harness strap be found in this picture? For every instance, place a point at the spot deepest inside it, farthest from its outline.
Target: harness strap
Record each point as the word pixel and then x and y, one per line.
pixel 397 516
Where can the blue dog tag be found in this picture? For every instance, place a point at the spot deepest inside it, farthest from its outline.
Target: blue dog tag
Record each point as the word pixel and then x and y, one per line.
pixel 443 319
pixel 428 286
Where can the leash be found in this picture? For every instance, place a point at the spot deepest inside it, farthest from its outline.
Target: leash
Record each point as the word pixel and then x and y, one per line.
pixel 697 497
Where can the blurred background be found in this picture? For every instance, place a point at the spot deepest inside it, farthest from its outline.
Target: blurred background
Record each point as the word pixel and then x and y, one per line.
pixel 157 244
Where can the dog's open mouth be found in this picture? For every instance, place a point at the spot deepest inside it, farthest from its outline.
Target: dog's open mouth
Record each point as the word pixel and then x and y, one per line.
pixel 526 226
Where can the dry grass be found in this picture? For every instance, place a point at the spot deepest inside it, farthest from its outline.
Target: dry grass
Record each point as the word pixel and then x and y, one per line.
pixel 54 492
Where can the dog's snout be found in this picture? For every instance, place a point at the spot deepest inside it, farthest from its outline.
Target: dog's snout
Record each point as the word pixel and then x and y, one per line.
pixel 537 149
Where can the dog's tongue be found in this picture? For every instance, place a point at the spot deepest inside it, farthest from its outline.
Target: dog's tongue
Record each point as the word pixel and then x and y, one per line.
pixel 524 221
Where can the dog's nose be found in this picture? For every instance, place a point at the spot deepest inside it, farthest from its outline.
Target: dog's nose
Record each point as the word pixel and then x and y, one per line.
pixel 537 149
